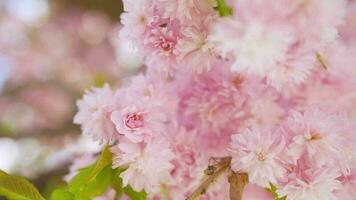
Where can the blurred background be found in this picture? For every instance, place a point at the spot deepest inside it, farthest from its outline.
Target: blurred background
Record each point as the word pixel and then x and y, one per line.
pixel 51 51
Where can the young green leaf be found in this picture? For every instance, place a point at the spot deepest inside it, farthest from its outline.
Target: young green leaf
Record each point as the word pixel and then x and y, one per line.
pixel 61 194
pixel 273 190
pixel 104 160
pixel 17 188
pixel 99 185
pixel 90 181
pixel 223 8
pixel 135 195
pixel 80 180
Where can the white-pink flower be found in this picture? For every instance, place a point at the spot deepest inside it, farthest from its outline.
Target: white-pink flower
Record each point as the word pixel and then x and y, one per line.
pixel 213 101
pixel 255 46
pixel 139 121
pixel 258 152
pixel 94 114
pixel 322 136
pixel 143 110
pixel 148 165
pixel 311 184
pixel 195 50
pixel 137 16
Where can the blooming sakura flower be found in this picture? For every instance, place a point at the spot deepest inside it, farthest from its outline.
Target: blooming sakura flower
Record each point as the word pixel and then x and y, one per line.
pixel 188 11
pixel 264 108
pixel 213 102
pixel 94 114
pixel 138 121
pixel 194 49
pixel 256 48
pixel 320 135
pixel 257 152
pixel 293 71
pixel 143 110
pixel 325 16
pixel 311 184
pixel 137 16
pixel 148 166
pixel 279 43
pixel 161 40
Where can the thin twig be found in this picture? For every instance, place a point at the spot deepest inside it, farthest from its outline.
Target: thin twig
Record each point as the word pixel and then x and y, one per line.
pixel 220 168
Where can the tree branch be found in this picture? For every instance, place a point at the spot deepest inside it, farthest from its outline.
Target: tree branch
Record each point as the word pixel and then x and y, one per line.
pixel 212 172
pixel 237 183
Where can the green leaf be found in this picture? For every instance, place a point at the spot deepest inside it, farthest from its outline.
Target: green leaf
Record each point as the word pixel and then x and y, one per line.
pixel 61 194
pixel 223 8
pixel 17 188
pixel 99 185
pixel 81 179
pixel 273 190
pixel 104 160
pixel 92 180
pixel 135 195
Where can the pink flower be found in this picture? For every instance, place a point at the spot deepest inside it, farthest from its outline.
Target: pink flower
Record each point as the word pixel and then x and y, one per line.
pixel 322 136
pixel 187 11
pixel 311 183
pixel 143 110
pixel 161 40
pixel 148 166
pixel 195 50
pixel 348 189
pixel 264 108
pixel 138 121
pixel 94 114
pixel 213 102
pixel 258 152
pixel 137 16
pixel 255 46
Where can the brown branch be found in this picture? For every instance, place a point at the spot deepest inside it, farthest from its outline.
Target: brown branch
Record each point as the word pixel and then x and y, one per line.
pixel 237 183
pixel 212 172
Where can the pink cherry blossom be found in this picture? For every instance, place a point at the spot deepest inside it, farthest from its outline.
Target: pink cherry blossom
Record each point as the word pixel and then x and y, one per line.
pixel 312 183
pixel 137 16
pixel 195 50
pixel 94 114
pixel 257 152
pixel 213 102
pixel 322 136
pixel 148 166
pixel 142 110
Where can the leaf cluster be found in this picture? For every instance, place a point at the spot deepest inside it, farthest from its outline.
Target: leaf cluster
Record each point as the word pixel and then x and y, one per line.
pixel 90 182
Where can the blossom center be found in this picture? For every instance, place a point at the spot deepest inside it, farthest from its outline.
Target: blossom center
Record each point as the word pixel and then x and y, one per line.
pixel 261 156
pixel 134 121
pixel 315 136
pixel 165 44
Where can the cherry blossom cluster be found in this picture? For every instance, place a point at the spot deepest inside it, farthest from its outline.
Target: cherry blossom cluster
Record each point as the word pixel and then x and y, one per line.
pixel 271 85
